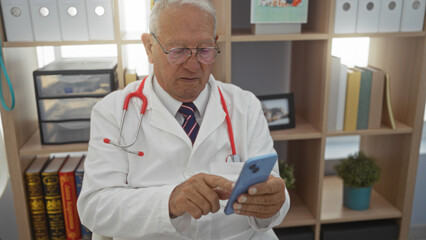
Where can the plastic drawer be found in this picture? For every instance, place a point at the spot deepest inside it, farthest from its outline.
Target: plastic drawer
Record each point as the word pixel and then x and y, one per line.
pixel 61 85
pixel 66 108
pixel 65 132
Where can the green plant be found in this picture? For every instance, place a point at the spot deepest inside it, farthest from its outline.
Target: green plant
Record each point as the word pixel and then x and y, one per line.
pixel 358 170
pixel 287 173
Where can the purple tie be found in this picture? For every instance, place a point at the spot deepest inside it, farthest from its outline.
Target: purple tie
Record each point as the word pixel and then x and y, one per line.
pixel 190 124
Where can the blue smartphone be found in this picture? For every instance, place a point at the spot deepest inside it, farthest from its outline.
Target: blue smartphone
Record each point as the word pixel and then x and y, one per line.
pixel 255 170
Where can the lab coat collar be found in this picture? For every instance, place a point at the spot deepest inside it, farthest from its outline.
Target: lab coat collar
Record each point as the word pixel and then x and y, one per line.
pixel 214 114
pixel 161 118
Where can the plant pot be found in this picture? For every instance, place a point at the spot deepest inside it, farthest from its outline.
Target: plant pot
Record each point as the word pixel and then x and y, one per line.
pixel 356 198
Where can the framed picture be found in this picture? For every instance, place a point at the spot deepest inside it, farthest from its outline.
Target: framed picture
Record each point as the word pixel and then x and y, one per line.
pixel 279 110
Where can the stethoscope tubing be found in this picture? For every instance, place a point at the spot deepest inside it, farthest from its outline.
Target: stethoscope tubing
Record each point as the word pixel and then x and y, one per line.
pixel 139 93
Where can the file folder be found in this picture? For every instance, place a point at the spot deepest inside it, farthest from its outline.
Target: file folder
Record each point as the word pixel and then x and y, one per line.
pixel 17 20
pixel 413 13
pixel 100 19
pixel 345 16
pixel 73 18
pixel 390 16
pixel 368 16
pixel 45 20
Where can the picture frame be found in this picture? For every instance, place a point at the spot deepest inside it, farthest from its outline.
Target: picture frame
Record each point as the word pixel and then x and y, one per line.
pixel 279 110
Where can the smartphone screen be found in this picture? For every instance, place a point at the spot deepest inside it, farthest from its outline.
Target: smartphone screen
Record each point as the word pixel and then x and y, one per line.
pixel 255 170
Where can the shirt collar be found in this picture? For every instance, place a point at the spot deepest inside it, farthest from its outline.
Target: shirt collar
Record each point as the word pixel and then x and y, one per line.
pixel 173 105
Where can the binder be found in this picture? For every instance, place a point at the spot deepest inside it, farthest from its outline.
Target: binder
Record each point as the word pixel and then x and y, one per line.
pixel 100 19
pixel 345 16
pixel 45 20
pixel 73 19
pixel 17 20
pixel 413 13
pixel 368 16
pixel 390 16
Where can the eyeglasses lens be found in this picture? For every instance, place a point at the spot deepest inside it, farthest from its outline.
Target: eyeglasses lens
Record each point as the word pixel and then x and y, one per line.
pixel 204 55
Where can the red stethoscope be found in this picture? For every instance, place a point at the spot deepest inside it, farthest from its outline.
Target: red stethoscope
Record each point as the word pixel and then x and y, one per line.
pixel 139 94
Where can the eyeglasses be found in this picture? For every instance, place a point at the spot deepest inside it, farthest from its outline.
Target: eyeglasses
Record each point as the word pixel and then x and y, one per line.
pixel 206 55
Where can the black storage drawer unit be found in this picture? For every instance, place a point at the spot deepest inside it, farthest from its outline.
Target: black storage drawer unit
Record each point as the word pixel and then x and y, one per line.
pixel 295 233
pixel 66 91
pixel 367 230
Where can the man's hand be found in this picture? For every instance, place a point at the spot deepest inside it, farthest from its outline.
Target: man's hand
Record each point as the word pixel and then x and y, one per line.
pixel 263 200
pixel 199 195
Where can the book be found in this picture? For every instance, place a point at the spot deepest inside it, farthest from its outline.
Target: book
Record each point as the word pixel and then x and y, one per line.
pixel 86 234
pixel 52 197
pixel 341 104
pixel 352 100
pixel 376 98
pixel 279 11
pixel 387 115
pixel 364 99
pixel 69 197
pixel 35 197
pixel 333 95
pixel 276 28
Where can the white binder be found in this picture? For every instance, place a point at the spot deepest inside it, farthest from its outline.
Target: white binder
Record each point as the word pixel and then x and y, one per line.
pixel 17 20
pixel 73 18
pixel 368 16
pixel 390 16
pixel 100 19
pixel 45 19
pixel 413 13
pixel 345 16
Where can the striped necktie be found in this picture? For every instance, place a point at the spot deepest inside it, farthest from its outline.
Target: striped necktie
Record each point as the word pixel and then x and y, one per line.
pixel 190 124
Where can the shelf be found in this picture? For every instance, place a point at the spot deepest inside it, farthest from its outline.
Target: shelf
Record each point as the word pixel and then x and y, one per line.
pixel 58 43
pixel 34 147
pixel 333 211
pixel 135 38
pixel 298 214
pixel 244 35
pixel 384 35
pixel 383 130
pixel 303 130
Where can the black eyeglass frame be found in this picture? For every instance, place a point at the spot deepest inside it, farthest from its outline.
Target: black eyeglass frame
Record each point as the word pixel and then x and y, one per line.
pixel 188 50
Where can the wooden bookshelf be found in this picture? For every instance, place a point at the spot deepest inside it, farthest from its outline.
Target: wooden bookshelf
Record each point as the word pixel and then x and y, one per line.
pixel 317 199
pixel 333 211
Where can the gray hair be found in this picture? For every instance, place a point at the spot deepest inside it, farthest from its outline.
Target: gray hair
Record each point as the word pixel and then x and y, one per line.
pixel 160 5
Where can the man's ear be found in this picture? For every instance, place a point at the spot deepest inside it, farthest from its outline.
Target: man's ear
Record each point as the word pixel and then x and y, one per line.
pixel 147 42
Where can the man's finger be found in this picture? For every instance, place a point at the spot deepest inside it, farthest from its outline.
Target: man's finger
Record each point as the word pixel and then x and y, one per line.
pixel 271 186
pixel 269 199
pixel 215 181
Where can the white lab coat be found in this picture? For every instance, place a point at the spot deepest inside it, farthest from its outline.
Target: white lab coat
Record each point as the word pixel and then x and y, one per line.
pixel 126 196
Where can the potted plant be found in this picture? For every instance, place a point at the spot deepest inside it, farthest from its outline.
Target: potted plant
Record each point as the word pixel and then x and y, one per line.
pixel 287 173
pixel 359 172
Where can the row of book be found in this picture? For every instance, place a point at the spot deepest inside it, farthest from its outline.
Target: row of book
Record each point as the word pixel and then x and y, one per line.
pixel 359 98
pixel 53 185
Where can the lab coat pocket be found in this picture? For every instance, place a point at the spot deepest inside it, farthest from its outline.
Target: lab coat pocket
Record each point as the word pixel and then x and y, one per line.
pixel 228 170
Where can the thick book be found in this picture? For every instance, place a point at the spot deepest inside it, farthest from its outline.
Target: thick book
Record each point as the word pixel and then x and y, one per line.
pixel 364 99
pixel 35 197
pixel 343 81
pixel 333 95
pixel 387 116
pixel 86 234
pixel 276 28
pixel 352 100
pixel 69 197
pixel 376 98
pixel 52 197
